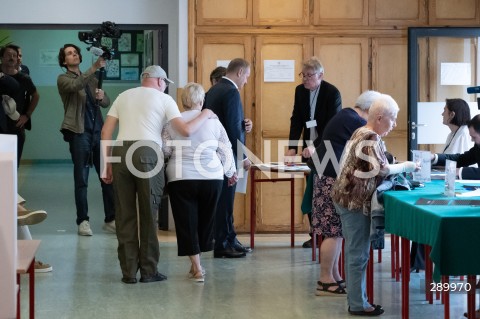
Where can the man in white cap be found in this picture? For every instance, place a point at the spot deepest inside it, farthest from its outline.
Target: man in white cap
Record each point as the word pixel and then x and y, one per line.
pixel 141 114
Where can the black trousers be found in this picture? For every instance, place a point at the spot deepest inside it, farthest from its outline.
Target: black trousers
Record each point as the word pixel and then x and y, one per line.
pixel 193 207
pixel 225 235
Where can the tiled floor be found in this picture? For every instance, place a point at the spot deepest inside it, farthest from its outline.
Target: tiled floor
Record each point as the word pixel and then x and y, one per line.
pixel 275 281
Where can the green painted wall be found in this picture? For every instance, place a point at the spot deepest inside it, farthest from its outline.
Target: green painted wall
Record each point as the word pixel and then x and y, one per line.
pixel 40 51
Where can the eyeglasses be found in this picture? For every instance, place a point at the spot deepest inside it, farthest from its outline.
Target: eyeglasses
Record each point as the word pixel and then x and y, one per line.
pixel 166 83
pixel 307 75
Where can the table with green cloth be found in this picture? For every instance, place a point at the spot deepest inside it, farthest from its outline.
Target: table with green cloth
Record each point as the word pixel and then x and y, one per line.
pixel 452 231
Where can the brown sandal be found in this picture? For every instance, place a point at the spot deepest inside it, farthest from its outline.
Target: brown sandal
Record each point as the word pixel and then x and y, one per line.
pixel 322 289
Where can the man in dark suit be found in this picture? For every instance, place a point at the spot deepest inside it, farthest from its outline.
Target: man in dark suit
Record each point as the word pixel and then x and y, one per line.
pixel 224 99
pixel 316 102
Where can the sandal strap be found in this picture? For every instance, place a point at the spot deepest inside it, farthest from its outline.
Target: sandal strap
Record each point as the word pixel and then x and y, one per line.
pixel 325 286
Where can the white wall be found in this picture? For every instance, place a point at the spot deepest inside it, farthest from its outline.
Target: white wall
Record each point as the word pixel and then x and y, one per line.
pixel 120 12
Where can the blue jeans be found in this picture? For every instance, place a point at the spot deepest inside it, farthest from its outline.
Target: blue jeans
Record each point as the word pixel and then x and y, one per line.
pixel 80 149
pixel 356 231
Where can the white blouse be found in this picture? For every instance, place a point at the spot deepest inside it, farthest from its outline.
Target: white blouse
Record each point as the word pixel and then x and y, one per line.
pixel 459 141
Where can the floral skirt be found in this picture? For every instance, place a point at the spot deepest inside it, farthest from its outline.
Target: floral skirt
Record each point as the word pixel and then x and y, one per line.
pixel 325 220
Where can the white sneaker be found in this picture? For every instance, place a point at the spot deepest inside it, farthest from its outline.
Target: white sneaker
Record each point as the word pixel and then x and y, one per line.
pixel 110 227
pixel 84 229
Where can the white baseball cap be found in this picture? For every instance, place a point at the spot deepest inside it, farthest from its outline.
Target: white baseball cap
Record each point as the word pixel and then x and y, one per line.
pixel 155 71
pixel 10 107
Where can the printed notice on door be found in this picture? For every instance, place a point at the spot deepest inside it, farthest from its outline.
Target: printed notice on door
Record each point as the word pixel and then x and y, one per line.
pixel 279 71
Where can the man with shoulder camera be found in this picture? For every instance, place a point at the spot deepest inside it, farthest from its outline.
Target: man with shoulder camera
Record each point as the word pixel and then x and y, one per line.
pixel 81 128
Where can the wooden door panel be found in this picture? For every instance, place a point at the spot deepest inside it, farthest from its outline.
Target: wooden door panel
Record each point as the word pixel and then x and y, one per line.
pixel 345 61
pixel 274 12
pixel 340 12
pixel 394 12
pixel 224 12
pixel 391 78
pixel 459 12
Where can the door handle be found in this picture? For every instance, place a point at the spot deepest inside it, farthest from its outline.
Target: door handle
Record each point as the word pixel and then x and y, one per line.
pixel 415 125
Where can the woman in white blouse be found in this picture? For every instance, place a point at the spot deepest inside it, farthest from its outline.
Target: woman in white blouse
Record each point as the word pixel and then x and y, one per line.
pixel 195 169
pixel 456 114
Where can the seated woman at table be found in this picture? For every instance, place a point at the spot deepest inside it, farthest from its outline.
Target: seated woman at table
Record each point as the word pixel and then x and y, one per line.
pixel 467 158
pixel 195 178
pixel 325 220
pixel 363 167
pixel 456 115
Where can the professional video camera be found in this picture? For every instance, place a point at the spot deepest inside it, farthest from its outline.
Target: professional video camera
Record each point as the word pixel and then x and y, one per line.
pixel 94 39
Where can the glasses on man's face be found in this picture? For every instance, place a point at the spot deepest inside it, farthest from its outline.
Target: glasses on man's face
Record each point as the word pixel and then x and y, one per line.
pixel 306 75
pixel 166 83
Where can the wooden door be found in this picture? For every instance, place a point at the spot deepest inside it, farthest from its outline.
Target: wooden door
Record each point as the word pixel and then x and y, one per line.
pixel 274 105
pixel 211 51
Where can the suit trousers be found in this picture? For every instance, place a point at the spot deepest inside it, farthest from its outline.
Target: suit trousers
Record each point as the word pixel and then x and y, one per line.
pixel 138 246
pixel 225 235
pixel 193 206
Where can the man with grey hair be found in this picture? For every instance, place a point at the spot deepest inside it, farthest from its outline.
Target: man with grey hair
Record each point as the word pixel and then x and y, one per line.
pixel 316 102
pixel 325 220
pixel 139 175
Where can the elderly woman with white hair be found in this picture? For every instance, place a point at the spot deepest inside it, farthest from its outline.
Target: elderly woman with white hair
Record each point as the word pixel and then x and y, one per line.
pixel 363 167
pixel 195 169
pixel 325 220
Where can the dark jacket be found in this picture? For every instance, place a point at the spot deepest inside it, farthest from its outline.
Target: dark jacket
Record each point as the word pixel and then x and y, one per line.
pixel 71 88
pixel 329 103
pixel 224 100
pixel 470 157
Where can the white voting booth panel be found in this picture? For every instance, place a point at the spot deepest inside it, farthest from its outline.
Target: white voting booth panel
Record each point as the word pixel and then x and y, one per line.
pixel 431 130
pixel 8 225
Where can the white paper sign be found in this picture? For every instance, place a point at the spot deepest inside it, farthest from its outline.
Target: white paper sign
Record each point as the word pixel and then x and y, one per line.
pixel 279 71
pixel 223 63
pixel 242 181
pixel 455 74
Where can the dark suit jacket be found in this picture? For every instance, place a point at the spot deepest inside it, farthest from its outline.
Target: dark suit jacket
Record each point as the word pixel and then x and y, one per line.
pixel 470 157
pixel 224 100
pixel 329 103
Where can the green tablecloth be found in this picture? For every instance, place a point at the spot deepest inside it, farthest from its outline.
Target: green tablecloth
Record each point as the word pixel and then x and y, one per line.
pixel 453 232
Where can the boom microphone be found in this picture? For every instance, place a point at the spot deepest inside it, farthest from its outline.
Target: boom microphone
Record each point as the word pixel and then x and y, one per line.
pixel 473 90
